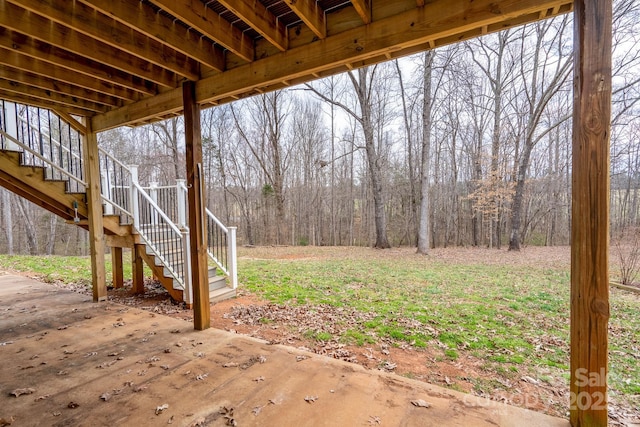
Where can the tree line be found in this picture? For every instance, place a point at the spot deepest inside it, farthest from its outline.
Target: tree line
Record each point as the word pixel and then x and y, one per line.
pixel 467 144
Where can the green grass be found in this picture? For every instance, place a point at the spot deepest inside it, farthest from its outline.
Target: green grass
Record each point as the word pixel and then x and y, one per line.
pixel 516 319
pixel 65 269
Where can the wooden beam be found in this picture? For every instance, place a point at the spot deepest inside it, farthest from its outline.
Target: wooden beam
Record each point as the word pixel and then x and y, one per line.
pixel 141 17
pixel 408 32
pixel 197 15
pixel 260 19
pixel 117 273
pixel 42 59
pixel 39 28
pixel 71 121
pixel 21 98
pixel 196 202
pixel 50 97
pixel 311 14
pixel 86 21
pixel 94 209
pixel 45 83
pixel 590 212
pixel 363 7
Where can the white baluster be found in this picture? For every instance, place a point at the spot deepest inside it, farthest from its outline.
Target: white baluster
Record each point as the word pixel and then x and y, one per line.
pixel 233 257
pixel 133 193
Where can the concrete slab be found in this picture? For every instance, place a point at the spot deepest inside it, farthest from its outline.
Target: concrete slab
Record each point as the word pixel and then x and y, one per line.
pixel 87 364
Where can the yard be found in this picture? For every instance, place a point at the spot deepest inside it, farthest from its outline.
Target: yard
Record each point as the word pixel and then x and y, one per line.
pixel 493 323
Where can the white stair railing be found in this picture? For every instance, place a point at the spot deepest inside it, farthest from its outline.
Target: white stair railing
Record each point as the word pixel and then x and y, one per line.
pixel 221 247
pixel 221 240
pixel 44 141
pixel 158 216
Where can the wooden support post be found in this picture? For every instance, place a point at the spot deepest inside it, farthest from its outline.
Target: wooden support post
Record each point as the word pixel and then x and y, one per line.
pixel 137 269
pixel 590 212
pixel 196 202
pixel 94 210
pixel 116 267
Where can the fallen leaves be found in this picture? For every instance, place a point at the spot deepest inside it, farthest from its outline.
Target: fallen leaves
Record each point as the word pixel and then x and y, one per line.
pixel 21 391
pixel 420 403
pixel 6 421
pixel 227 414
pixel 161 408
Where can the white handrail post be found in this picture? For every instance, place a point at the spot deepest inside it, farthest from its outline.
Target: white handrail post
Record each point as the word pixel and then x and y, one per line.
pixel 233 257
pixel 106 192
pixel 153 193
pixel 11 124
pixel 187 292
pixel 182 202
pixel 133 193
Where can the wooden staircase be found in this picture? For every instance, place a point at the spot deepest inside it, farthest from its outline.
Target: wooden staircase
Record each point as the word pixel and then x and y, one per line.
pixel 28 173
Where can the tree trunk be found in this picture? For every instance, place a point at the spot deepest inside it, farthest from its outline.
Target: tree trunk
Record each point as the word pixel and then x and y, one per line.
pixel 29 227
pixel 425 159
pixel 7 218
pixel 516 209
pixel 53 221
pixel 361 85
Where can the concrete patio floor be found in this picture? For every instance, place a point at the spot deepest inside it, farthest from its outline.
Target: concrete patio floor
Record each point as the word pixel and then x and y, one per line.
pixel 87 364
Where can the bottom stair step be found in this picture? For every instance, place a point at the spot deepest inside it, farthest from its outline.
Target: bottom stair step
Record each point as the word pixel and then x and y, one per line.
pixel 217 282
pixel 222 294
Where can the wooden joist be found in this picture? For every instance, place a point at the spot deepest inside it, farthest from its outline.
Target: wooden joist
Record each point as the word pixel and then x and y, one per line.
pixel 406 32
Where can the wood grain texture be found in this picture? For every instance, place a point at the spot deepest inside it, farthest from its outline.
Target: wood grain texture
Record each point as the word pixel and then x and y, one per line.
pixel 116 267
pixel 196 203
pixel 94 210
pixel 590 213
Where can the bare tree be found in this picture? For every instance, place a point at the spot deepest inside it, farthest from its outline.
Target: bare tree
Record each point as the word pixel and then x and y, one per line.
pixel 364 81
pixel 425 157
pixel 547 69
pixel 268 113
pixel 7 218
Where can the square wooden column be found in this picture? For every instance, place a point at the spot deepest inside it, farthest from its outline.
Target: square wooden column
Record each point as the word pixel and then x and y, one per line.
pixel 116 267
pixel 137 269
pixel 196 202
pixel 94 209
pixel 590 212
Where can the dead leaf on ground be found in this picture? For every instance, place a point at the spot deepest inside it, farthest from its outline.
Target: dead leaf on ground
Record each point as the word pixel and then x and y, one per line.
pixel 6 421
pixel 420 403
pixel 20 391
pixel 161 408
pixel 198 423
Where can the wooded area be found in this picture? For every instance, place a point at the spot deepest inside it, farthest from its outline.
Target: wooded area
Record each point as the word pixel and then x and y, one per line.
pixel 467 144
